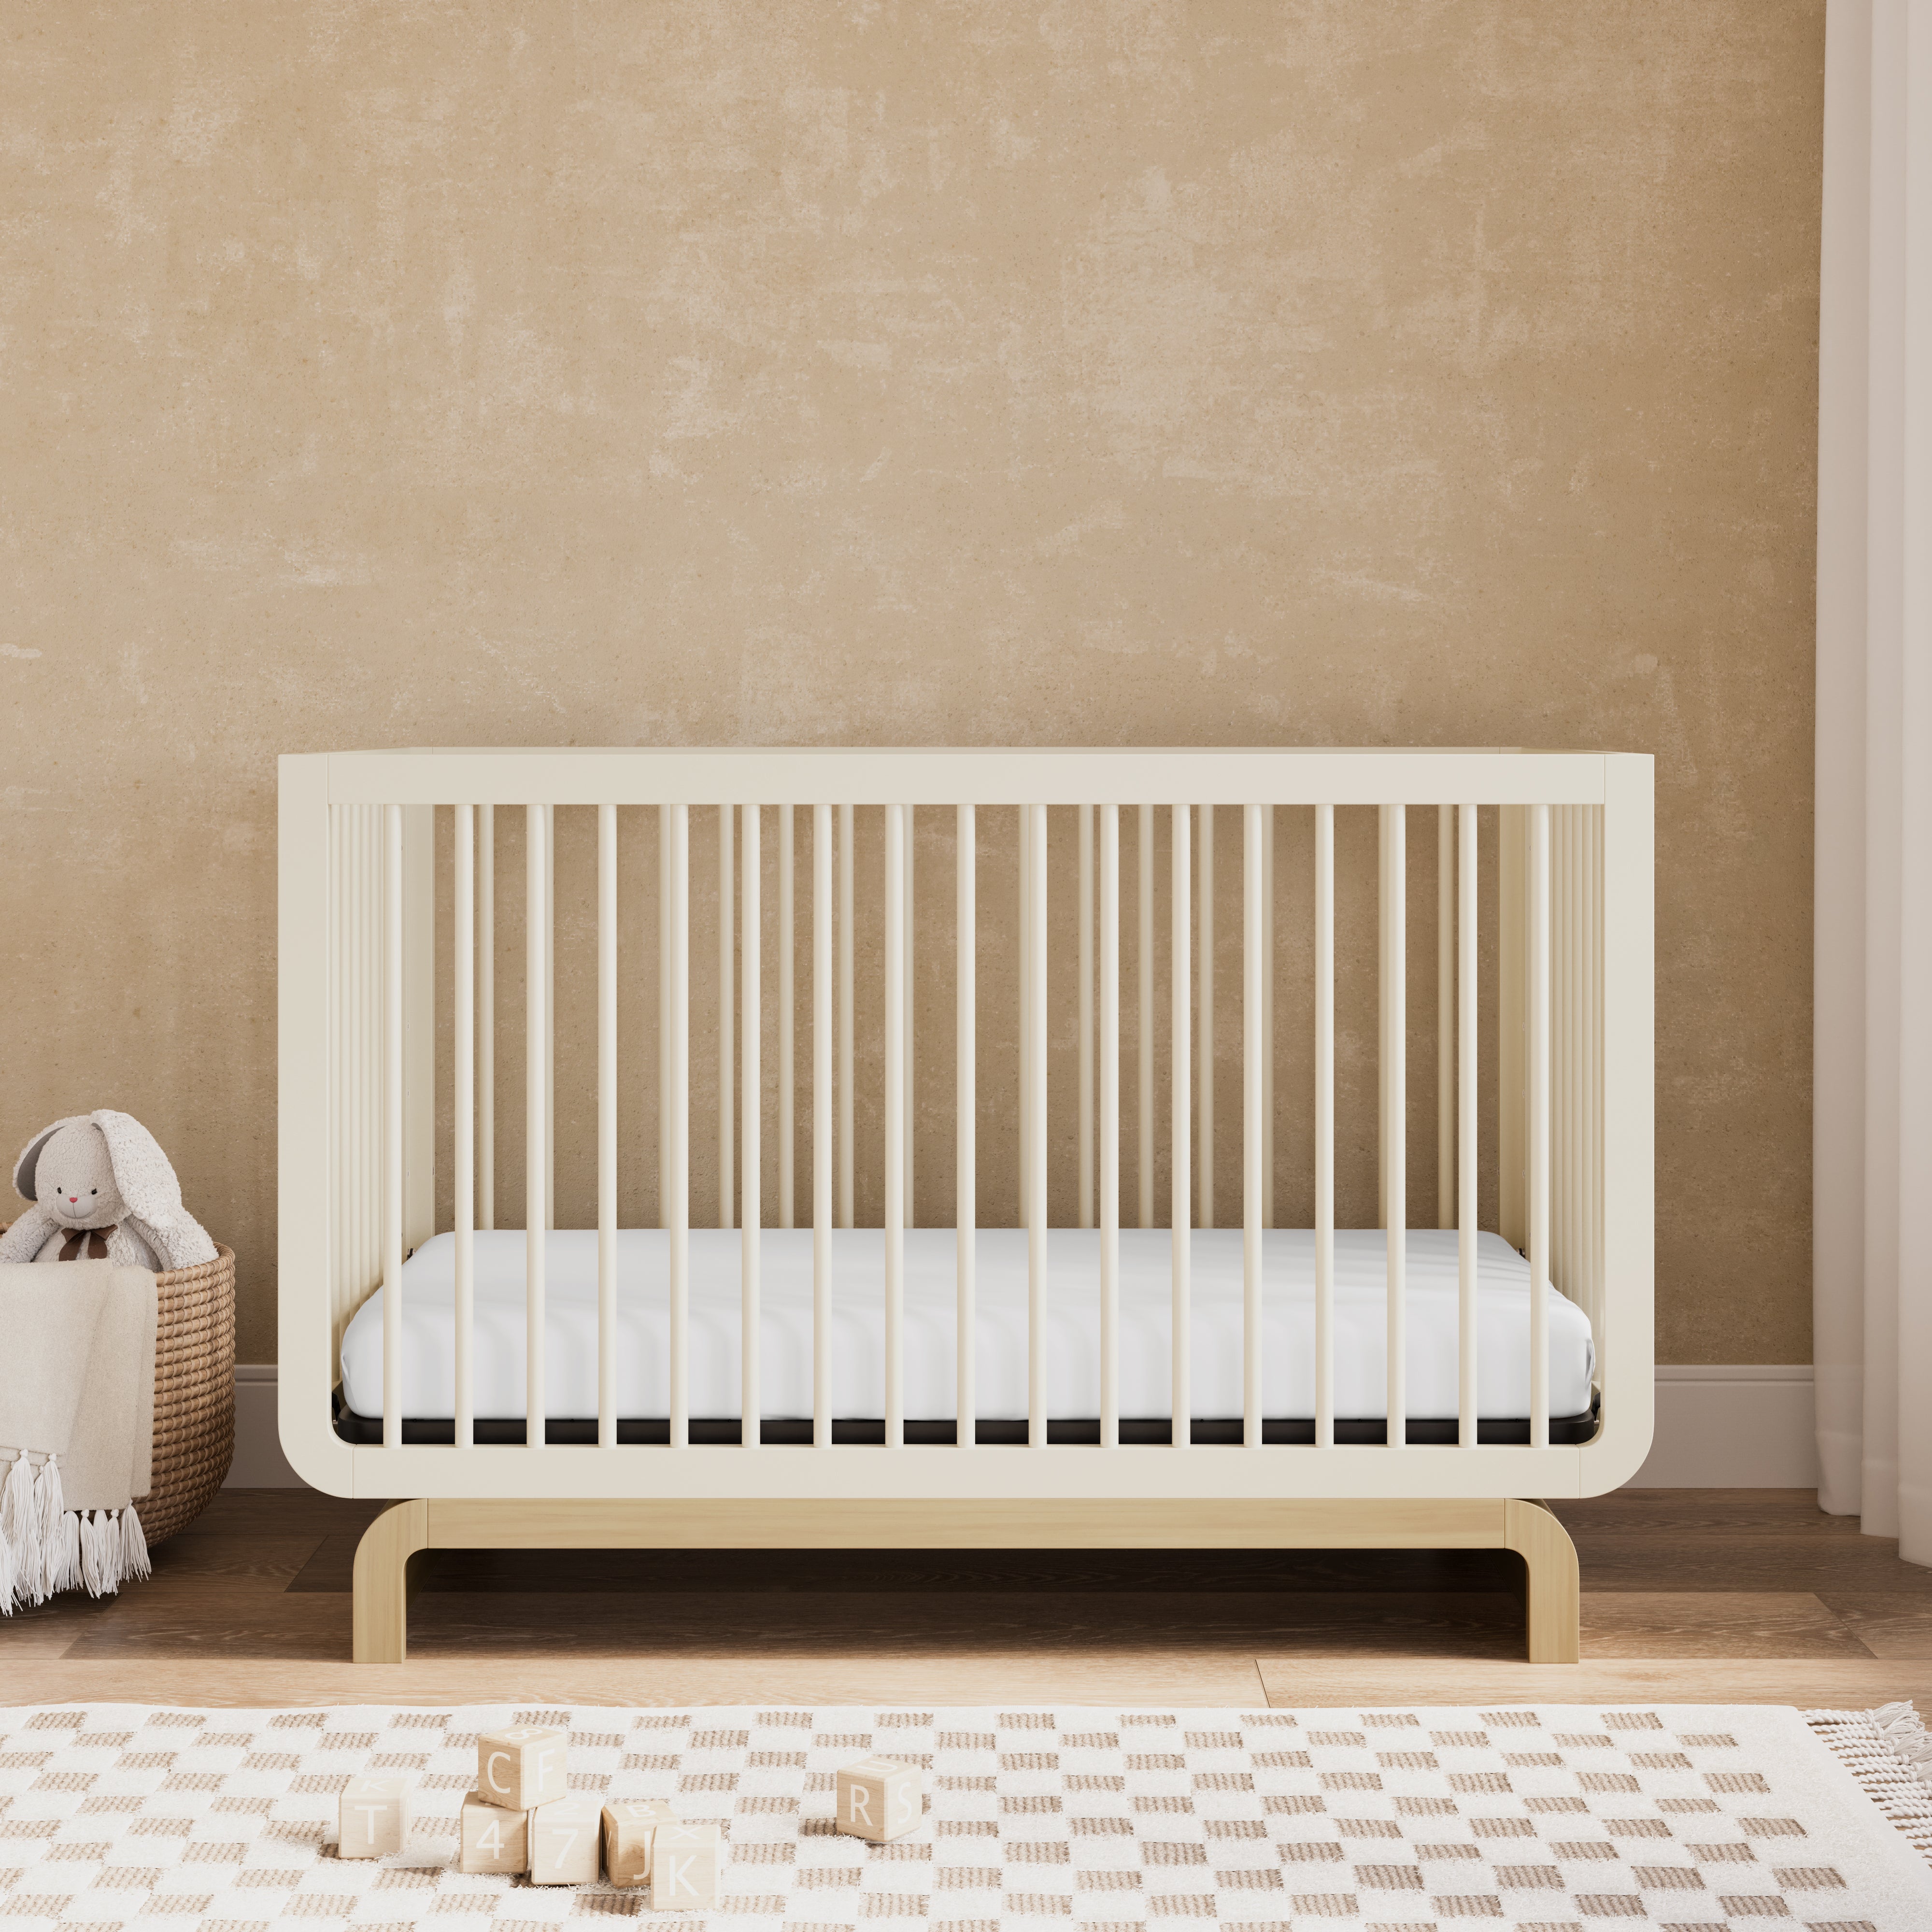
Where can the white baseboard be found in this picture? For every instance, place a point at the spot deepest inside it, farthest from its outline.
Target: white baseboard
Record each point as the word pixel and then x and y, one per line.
pixel 1717 1428
pixel 1748 1427
pixel 259 1461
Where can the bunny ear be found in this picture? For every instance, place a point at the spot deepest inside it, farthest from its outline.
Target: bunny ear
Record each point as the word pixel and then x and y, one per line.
pixel 152 1191
pixel 144 1175
pixel 30 1155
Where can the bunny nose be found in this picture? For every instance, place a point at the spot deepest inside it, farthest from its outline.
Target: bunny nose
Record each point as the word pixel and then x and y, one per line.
pixel 74 1197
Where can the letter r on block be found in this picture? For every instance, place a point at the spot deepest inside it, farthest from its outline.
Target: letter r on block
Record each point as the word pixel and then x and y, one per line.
pixel 859 1804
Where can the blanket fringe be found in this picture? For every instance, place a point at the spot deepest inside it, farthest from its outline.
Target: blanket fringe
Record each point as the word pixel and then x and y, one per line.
pixel 46 1547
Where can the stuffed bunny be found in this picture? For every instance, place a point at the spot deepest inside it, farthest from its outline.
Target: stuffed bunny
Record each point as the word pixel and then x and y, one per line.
pixel 103 1190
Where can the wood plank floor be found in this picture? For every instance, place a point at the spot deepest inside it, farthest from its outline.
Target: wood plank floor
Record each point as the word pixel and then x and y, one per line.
pixel 1744 1595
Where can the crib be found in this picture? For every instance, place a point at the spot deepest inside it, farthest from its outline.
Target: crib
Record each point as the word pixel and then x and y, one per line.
pixel 1155 1148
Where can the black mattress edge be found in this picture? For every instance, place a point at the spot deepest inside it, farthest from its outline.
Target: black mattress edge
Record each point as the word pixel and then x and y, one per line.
pixel 1565 1432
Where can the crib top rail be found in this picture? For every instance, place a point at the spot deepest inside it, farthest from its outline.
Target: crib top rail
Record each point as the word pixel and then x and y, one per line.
pixel 969 775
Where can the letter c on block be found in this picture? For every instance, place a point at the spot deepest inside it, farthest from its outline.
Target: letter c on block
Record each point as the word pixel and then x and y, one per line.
pixel 490 1765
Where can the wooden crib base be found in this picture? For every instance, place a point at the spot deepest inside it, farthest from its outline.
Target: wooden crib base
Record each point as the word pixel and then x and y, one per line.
pixel 383 1584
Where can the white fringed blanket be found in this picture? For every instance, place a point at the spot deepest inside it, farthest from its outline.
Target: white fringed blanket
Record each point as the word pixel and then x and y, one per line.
pixel 76 1426
pixel 1068 1819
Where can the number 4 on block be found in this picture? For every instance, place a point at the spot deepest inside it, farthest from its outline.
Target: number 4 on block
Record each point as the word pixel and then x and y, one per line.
pixel 494 1839
pixel 880 1798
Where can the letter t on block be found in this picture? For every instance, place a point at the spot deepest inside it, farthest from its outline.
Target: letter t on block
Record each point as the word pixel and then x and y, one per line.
pixel 685 1860
pixel 522 1767
pixel 880 1798
pixel 375 1817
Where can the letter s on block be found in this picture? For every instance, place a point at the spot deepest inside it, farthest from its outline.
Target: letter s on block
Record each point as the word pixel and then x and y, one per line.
pixel 905 1803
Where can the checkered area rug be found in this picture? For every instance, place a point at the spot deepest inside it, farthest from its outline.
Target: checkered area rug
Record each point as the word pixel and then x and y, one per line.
pixel 1077 1820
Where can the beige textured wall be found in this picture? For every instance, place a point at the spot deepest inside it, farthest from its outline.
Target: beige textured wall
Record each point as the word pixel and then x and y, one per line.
pixel 888 374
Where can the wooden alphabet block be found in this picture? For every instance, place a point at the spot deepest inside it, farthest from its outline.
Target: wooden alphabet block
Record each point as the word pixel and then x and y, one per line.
pixel 563 1842
pixel 684 1863
pixel 522 1767
pixel 880 1798
pixel 629 1825
pixel 494 1839
pixel 375 1817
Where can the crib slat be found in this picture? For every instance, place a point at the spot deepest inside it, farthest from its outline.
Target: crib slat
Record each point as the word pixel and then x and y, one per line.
pixel 1594 1118
pixel 463 1113
pixel 965 1213
pixel 1144 911
pixel 1023 873
pixel 751 1123
pixel 1086 1016
pixel 1110 1126
pixel 1395 1107
pixel 845 1017
pixel 486 1016
pixel 1253 1038
pixel 821 1126
pixel 1268 1016
pixel 1324 1126
pixel 1181 1098
pixel 550 1015
pixel 1467 1091
pixel 1445 1016
pixel 677 1122
pixel 787 1035
pixel 895 1150
pixel 664 1056
pixel 1205 1114
pixel 1537 885
pixel 1035 1103
pixel 727 962
pixel 607 1127
pixel 906 1017
pixel 392 1126
pixel 536 1088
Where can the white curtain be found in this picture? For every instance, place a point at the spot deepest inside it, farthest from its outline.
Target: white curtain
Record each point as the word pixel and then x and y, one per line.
pixel 1872 1255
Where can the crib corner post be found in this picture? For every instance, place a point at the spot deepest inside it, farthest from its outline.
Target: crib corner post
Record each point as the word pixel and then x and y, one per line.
pixel 1553 1601
pixel 383 1585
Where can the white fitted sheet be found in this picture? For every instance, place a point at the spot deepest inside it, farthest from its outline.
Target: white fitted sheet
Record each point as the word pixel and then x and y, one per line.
pixel 1073 1323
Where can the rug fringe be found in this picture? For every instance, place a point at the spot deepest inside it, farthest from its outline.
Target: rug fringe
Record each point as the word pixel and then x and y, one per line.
pixel 1889 1752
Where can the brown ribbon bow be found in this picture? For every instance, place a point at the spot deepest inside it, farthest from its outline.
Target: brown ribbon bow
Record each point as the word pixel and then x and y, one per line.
pixel 94 1239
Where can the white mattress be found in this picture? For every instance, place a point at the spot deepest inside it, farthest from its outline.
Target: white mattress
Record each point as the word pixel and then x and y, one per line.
pixel 1073 1375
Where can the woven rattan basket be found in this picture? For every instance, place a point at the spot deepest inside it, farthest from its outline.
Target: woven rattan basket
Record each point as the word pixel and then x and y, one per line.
pixel 194 1393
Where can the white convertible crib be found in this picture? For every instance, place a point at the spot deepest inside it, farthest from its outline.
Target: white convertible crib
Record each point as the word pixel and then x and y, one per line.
pixel 1173 1148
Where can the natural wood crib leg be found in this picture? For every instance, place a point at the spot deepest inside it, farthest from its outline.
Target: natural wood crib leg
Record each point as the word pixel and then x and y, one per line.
pixel 383 1585
pixel 1553 1604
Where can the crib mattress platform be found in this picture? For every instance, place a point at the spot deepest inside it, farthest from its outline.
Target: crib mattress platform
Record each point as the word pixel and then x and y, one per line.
pixel 1001 1331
